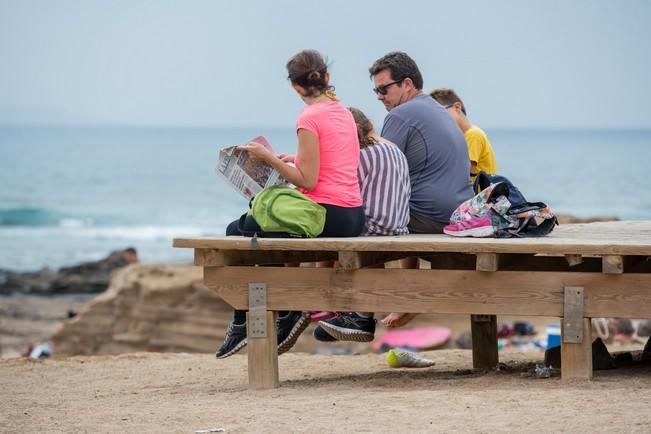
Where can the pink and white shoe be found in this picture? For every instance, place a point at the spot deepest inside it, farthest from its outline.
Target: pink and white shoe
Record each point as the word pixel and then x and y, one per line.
pixel 475 227
pixel 318 315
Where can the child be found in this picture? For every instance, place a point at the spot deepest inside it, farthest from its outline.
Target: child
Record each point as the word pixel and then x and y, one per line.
pixel 385 186
pixel 480 150
pixel 481 157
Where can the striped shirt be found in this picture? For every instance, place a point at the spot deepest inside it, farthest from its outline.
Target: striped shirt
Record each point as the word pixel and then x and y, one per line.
pixel 385 187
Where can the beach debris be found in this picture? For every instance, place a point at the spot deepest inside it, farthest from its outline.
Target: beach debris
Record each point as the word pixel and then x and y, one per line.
pixel 209 430
pixel 543 371
pixel 407 359
pixel 540 370
pixel 503 367
pixel 41 351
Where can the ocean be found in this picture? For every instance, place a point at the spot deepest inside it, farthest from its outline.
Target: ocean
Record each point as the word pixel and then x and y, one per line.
pixel 69 195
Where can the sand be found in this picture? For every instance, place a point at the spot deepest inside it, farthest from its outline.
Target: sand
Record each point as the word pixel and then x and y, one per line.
pixel 151 392
pixel 156 392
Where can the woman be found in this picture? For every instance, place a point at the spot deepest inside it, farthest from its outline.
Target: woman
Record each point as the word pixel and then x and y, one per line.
pixel 324 169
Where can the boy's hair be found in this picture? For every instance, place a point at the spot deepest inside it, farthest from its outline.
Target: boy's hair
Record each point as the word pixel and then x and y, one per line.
pixel 447 97
pixel 401 66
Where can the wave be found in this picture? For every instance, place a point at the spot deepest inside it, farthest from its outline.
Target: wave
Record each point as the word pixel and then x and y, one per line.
pixel 134 233
pixel 41 217
pixel 28 217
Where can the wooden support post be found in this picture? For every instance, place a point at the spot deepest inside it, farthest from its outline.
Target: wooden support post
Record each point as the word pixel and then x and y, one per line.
pixel 573 314
pixel 262 340
pixel 349 260
pixel 209 258
pixel 483 328
pixel 573 260
pixel 487 262
pixel 576 358
pixel 484 341
pixel 576 338
pixel 613 264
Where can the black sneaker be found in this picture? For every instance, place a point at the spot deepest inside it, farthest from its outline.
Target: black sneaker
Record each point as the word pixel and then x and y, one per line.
pixel 350 327
pixel 290 328
pixel 234 340
pixel 321 335
pixel 646 353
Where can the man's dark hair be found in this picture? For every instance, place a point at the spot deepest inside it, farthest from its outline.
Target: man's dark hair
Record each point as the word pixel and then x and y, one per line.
pixel 401 66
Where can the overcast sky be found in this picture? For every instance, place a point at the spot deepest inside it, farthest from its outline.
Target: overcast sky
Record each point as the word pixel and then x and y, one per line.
pixel 517 64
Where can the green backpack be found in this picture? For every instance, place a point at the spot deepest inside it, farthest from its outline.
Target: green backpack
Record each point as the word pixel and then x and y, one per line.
pixel 284 209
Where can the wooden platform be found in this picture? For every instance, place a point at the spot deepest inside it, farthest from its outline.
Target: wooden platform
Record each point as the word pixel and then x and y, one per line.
pixel 578 272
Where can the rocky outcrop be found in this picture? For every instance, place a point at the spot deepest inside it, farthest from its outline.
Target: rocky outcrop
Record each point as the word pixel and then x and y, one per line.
pixel 162 308
pixel 85 278
pixel 147 308
pixel 569 218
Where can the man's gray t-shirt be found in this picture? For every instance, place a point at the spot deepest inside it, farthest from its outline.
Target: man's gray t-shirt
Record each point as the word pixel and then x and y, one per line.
pixel 437 155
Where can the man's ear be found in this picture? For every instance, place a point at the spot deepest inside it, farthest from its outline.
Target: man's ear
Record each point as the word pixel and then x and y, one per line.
pixel 407 82
pixel 457 107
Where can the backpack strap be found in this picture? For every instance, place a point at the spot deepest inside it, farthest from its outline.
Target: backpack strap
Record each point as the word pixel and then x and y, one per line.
pixel 526 206
pixel 482 180
pixel 538 230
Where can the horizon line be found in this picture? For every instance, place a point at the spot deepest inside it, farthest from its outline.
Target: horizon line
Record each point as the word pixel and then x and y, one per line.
pixel 289 126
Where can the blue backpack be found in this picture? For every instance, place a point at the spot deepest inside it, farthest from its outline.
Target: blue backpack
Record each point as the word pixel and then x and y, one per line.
pixel 520 208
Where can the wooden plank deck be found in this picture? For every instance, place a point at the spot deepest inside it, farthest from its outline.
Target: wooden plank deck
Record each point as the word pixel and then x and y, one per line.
pixel 608 238
pixel 578 272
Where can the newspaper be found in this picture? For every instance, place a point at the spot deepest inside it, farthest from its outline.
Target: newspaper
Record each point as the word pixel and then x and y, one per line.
pixel 246 176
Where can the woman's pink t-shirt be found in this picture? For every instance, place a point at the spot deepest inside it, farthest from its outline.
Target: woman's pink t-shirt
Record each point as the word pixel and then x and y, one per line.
pixel 335 128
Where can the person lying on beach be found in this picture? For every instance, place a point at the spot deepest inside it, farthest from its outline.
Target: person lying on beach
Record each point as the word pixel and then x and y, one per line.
pixel 385 187
pixel 324 169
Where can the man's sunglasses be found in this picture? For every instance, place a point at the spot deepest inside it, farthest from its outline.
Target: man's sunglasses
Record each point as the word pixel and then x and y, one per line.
pixel 384 89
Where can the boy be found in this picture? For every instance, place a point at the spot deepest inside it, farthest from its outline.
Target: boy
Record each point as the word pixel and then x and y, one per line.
pixel 480 150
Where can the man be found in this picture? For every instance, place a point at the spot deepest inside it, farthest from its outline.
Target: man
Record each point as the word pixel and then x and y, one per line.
pixel 435 148
pixel 438 162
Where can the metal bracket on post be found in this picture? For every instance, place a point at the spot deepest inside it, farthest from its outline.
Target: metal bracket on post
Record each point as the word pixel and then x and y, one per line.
pixel 573 315
pixel 257 310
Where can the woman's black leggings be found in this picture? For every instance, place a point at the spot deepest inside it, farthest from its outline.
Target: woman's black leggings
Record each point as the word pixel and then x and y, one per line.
pixel 340 222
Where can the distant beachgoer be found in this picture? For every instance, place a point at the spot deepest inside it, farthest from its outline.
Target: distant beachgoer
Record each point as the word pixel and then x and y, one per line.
pixel 325 170
pixel 436 152
pixel 385 187
pixel 480 150
pixel 130 255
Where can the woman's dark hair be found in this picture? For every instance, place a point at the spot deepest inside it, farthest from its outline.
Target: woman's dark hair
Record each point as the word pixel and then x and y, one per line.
pixel 308 70
pixel 364 128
